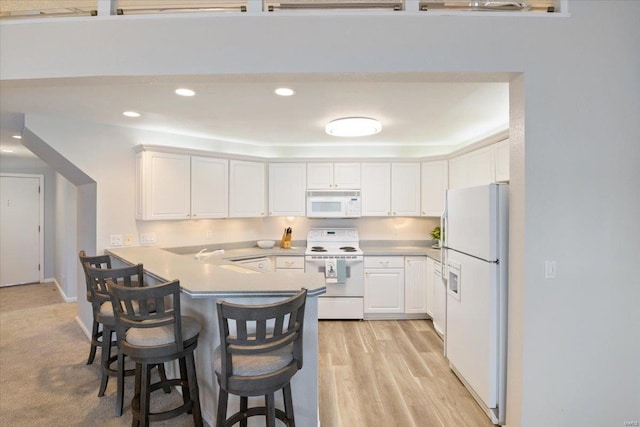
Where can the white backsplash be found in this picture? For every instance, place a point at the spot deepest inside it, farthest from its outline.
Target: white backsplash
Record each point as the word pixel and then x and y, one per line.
pixel 196 232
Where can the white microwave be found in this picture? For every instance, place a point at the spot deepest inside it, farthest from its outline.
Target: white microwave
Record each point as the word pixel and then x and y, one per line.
pixel 333 204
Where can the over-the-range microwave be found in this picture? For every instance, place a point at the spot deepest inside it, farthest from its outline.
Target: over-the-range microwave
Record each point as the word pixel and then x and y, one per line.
pixel 333 204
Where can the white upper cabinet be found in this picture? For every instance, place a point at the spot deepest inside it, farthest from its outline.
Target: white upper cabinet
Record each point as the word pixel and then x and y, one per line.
pixel 435 181
pixel 376 189
pixel 164 186
pixel 209 188
pixel 502 161
pixel 323 176
pixel 287 189
pixel 480 167
pixel 390 189
pixel 405 189
pixel 246 188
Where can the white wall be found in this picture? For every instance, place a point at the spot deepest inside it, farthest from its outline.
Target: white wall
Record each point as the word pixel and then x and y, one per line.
pixel 577 200
pixel 66 252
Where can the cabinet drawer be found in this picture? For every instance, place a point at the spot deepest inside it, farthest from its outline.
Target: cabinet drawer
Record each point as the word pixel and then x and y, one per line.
pixel 290 262
pixel 384 262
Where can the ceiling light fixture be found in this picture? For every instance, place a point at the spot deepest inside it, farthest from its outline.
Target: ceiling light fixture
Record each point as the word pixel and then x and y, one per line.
pixel 284 91
pixel 131 114
pixel 16 136
pixel 353 126
pixel 185 92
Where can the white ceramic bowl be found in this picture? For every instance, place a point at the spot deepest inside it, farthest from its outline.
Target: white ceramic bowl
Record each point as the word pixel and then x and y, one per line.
pixel 266 244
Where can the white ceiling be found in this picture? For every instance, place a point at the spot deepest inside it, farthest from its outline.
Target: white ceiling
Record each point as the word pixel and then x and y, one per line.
pixel 425 114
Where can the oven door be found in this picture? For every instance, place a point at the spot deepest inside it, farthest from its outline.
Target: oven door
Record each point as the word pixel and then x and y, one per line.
pixel 353 285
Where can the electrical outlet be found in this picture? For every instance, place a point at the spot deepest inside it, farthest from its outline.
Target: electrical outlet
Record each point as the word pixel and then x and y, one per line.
pixel 128 240
pixel 147 238
pixel 209 234
pixel 115 240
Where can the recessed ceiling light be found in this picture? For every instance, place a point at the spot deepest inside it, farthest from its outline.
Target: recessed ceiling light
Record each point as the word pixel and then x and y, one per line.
pixel 185 92
pixel 353 126
pixel 284 91
pixel 6 150
pixel 17 136
pixel 131 114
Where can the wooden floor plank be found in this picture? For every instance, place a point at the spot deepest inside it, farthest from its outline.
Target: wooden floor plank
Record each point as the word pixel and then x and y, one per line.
pixel 389 373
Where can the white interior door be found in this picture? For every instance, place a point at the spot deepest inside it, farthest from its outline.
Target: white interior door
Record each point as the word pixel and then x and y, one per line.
pixel 20 217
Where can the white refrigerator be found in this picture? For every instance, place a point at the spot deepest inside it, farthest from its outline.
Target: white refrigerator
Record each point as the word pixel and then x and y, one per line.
pixel 475 250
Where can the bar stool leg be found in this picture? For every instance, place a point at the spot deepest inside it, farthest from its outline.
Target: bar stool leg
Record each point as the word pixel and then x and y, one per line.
pixel 244 404
pixel 163 378
pixel 94 344
pixel 120 384
pixel 194 390
pixel 104 359
pixel 271 410
pixel 288 405
pixel 223 399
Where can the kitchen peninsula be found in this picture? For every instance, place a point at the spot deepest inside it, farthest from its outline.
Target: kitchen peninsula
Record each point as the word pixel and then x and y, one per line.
pixel 203 283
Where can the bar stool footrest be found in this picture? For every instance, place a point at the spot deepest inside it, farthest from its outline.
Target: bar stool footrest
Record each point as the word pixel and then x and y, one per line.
pixel 256 410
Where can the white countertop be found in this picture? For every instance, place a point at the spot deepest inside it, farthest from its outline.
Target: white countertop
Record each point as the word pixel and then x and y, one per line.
pixel 202 279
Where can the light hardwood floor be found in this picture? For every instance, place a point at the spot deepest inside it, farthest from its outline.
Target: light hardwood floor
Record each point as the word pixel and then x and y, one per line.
pixel 389 373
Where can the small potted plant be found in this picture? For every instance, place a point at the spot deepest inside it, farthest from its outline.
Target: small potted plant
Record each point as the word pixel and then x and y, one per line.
pixel 436 234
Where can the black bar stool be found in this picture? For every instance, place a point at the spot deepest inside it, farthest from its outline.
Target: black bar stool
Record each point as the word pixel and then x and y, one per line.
pixel 150 331
pixel 260 362
pixel 97 280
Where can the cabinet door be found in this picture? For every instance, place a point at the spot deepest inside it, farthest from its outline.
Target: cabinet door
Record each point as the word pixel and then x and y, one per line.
pixel 287 187
pixel 434 186
pixel 376 189
pixel 209 188
pixel 405 189
pixel 439 299
pixel 415 285
pixel 346 175
pixel 502 161
pixel 430 283
pixel 166 185
pixel 319 176
pixel 457 173
pixel 384 290
pixel 246 189
pixel 480 167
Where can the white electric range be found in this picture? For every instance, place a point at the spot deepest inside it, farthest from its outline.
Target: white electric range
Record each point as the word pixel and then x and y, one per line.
pixel 336 253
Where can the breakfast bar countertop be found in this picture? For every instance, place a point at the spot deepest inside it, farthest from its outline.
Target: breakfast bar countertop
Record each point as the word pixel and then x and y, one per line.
pixel 211 278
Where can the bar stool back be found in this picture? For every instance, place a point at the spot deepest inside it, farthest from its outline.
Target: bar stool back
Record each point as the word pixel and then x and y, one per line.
pixel 150 331
pixel 249 363
pixel 99 261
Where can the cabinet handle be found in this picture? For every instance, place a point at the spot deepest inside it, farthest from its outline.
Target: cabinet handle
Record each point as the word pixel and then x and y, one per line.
pixel 388 213
pixel 262 213
pixel 335 185
pixel 394 213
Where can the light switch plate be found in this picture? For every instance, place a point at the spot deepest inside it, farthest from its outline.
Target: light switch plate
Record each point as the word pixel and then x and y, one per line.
pixel 550 269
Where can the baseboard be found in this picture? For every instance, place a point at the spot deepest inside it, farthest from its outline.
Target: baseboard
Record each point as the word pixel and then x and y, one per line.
pixel 84 328
pixel 62 294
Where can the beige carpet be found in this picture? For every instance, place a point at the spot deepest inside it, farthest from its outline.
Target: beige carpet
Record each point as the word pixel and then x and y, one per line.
pixel 44 379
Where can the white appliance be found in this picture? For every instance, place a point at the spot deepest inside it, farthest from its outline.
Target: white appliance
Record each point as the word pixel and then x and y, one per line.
pixel 335 252
pixel 333 204
pixel 475 222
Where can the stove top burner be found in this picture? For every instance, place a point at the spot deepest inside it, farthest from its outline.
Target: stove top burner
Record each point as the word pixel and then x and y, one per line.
pixel 318 249
pixel 349 249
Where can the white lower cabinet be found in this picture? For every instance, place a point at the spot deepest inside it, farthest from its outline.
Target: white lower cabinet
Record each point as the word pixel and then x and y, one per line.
pixel 383 285
pixel 439 300
pixel 415 285
pixel 430 284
